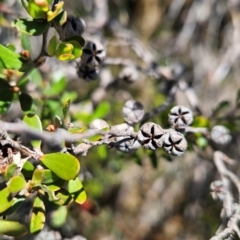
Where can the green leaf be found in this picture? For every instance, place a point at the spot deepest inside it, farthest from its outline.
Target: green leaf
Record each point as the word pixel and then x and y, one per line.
pixel 61 18
pixel 55 186
pixel 66 107
pixel 102 110
pixel 33 121
pixel 28 169
pixel 17 202
pixel 6 95
pixel 10 171
pixel 64 197
pixel 52 46
pixel 56 87
pixel 51 194
pixel 64 48
pixel 65 57
pixel 57 9
pixel 200 121
pixel 78 39
pixel 49 176
pixel 31 26
pixel 6 200
pixel 37 10
pixel 9 59
pixel 38 216
pixel 26 101
pixel 12 228
pixel 68 50
pixel 59 216
pixel 221 107
pixel 202 142
pixel 63 165
pixel 75 188
pixel 37 176
pixel 16 184
pixel 26 44
pixel 77 49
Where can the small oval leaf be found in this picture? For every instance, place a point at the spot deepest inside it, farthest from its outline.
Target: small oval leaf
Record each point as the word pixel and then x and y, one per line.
pixel 9 59
pixel 12 228
pixel 6 200
pixel 10 171
pixel 52 46
pixel 63 165
pixel 26 101
pixel 59 216
pixel 75 188
pixel 15 206
pixel 34 121
pixel 26 44
pixel 49 176
pixel 64 197
pixel 31 26
pixel 38 216
pixel 37 176
pixel 16 184
pixel 28 169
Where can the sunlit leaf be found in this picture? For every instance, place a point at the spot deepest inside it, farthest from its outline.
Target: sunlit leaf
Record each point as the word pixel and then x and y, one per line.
pixel 36 10
pixel 9 59
pixel 12 228
pixel 61 18
pixel 38 216
pixel 52 46
pixel 17 202
pixel 33 121
pixel 16 184
pixel 57 9
pixel 77 49
pixel 6 200
pixel 55 186
pixel 28 169
pixel 200 121
pixel 75 188
pixel 64 197
pixel 26 44
pixel 10 171
pixel 37 176
pixel 63 165
pixel 31 26
pixel 49 176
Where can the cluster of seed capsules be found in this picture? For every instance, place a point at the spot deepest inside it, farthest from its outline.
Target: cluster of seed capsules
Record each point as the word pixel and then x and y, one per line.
pixel 91 59
pixel 150 135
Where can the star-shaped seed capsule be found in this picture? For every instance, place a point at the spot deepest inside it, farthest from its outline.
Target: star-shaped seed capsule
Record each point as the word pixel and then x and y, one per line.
pixel 93 54
pixel 151 136
pixel 174 143
pixel 180 117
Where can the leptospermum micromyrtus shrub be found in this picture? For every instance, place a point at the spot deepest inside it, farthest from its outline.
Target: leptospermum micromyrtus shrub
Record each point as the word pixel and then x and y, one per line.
pixel 43 166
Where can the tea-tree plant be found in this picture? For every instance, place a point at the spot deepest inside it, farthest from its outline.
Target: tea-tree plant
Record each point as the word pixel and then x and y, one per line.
pixel 40 155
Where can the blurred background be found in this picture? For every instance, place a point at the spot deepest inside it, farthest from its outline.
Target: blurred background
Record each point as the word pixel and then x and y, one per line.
pixel 145 195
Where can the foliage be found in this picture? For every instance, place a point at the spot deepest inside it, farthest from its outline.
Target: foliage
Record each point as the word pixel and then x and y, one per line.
pixel 42 156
